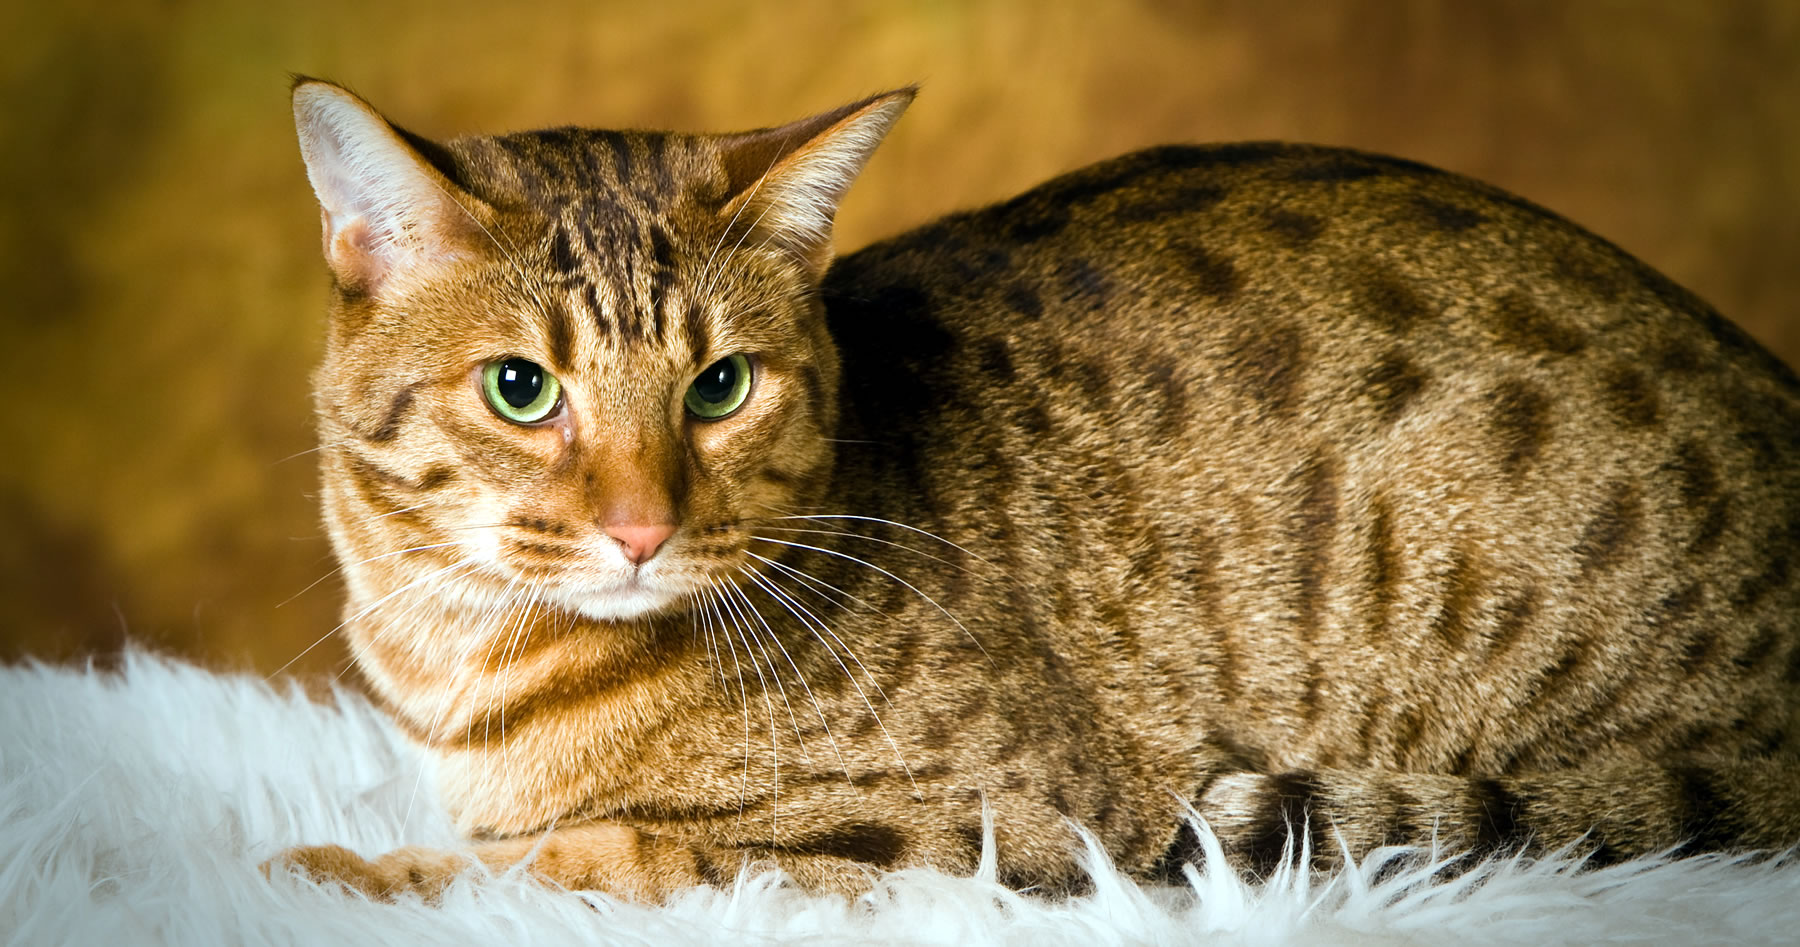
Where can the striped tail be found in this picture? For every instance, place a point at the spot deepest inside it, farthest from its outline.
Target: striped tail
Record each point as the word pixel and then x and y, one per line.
pixel 1609 812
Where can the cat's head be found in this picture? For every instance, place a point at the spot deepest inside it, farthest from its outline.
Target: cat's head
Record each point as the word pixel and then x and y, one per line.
pixel 573 361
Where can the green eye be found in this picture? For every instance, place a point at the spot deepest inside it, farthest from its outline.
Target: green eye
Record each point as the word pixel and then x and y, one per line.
pixel 721 389
pixel 520 390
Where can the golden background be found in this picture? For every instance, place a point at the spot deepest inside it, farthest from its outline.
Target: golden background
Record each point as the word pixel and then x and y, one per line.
pixel 159 246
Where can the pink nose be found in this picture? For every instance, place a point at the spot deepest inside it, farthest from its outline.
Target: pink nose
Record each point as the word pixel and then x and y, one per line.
pixel 641 542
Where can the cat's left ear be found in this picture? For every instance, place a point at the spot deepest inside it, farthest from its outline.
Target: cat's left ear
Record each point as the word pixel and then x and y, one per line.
pixel 785 183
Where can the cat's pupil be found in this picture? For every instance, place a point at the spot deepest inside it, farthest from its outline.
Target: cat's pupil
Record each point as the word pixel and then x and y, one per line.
pixel 519 382
pixel 715 384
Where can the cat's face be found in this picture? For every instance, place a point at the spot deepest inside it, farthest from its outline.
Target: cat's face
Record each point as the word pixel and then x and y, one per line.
pixel 570 368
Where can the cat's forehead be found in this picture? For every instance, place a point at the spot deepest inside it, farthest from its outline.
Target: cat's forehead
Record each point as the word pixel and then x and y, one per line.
pixel 553 171
pixel 595 223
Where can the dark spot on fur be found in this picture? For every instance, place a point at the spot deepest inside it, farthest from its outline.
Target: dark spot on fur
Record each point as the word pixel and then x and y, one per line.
pixel 1630 396
pixel 1445 216
pixel 1513 619
pixel 1392 384
pixel 1498 825
pixel 1295 229
pixel 1384 565
pixel 1034 419
pixel 1707 821
pixel 1558 677
pixel 562 255
pixel 1461 603
pixel 1023 300
pixel 590 296
pixel 1087 290
pixel 1518 321
pixel 435 477
pixel 1171 202
pixel 1519 424
pixel 1601 276
pixel 1267 362
pixel 539 550
pixel 1699 650
pixel 660 172
pixel 1214 275
pixel 561 330
pixel 709 871
pixel 1699 478
pixel 1713 521
pixel 396 412
pixel 1288 807
pixel 621 152
pixel 1094 381
pixel 1034 218
pixel 1698 482
pixel 1390 300
pixel 1613 527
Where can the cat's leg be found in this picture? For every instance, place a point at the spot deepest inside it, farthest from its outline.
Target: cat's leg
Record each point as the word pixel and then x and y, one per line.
pixel 1609 811
pixel 599 856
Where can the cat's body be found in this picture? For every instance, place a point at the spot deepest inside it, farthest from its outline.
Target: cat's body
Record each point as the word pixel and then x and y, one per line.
pixel 1296 484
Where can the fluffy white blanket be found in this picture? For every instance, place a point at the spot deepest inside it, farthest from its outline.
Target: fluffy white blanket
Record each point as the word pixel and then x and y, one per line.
pixel 135 808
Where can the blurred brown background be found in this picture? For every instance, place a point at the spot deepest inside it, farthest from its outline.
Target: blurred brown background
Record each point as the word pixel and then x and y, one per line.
pixel 158 245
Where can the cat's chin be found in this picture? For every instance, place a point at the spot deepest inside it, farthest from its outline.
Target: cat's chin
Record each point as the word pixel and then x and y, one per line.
pixel 617 603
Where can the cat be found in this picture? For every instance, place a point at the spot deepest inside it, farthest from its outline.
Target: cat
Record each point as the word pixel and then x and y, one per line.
pixel 1296 487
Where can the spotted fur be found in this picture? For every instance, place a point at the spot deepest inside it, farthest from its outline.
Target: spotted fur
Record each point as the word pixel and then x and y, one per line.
pixel 1328 493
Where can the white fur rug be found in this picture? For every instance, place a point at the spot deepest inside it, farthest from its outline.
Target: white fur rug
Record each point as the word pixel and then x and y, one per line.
pixel 135 808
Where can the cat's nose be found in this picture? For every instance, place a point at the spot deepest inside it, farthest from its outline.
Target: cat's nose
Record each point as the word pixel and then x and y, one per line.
pixel 641 542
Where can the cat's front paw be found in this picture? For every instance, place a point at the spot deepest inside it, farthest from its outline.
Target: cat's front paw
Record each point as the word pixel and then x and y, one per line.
pixel 422 871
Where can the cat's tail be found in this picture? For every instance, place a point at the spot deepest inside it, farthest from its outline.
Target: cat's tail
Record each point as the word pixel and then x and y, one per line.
pixel 1608 812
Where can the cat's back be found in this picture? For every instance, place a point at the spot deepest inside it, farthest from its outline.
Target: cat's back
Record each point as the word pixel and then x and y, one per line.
pixel 1286 286
pixel 1290 262
pixel 1337 397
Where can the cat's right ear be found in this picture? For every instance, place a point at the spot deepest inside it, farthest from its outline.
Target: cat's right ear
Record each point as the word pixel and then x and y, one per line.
pixel 391 218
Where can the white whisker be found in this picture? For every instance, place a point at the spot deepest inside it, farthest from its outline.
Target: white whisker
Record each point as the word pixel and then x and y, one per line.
pixel 874 539
pixel 365 611
pixel 879 690
pixel 739 623
pixel 811 582
pixel 877 519
pixel 764 583
pixel 770 633
pixel 743 695
pixel 914 588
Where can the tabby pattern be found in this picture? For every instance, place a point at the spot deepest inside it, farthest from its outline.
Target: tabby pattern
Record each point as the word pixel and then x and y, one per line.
pixel 1310 489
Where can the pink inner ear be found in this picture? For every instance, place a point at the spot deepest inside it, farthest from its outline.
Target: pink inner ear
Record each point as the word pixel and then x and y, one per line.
pixel 354 254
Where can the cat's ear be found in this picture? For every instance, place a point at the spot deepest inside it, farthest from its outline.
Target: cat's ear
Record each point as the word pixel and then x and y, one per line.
pixel 785 183
pixel 391 218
